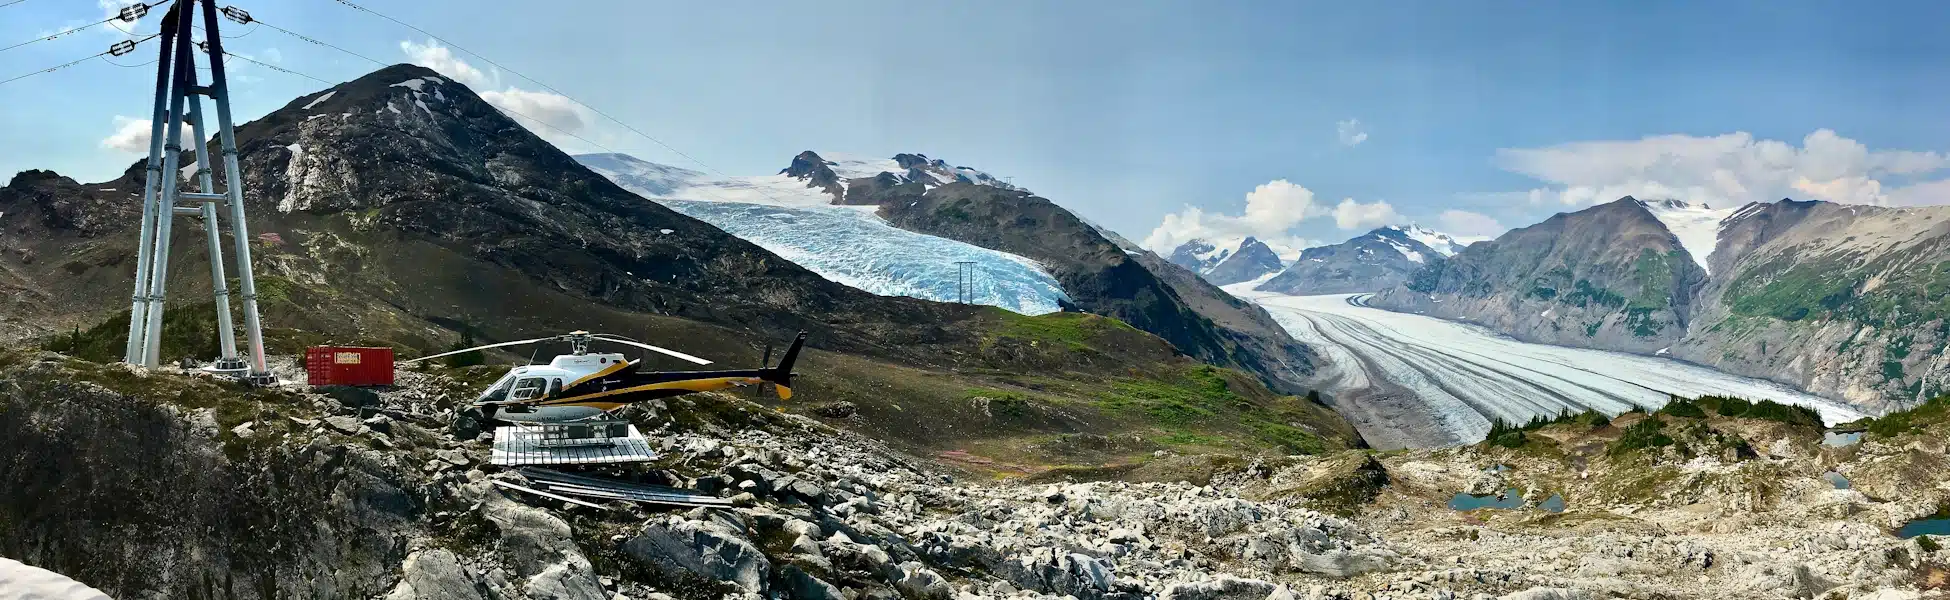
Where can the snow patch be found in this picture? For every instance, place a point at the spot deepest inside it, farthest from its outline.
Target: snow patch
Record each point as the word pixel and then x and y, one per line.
pixel 294 178
pixel 1442 243
pixel 1696 225
pixel 321 99
pixel 21 580
pixel 416 83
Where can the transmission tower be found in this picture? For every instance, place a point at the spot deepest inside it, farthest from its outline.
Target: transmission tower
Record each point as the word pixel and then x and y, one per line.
pixel 964 280
pixel 176 87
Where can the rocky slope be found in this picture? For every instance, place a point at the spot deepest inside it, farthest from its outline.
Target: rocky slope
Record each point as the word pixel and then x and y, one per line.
pixel 403 200
pixel 1099 276
pixel 1253 260
pixel 1845 301
pixel 1610 276
pixel 1370 262
pixel 292 494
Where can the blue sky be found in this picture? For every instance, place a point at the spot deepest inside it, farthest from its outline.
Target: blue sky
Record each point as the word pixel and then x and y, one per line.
pixel 1469 116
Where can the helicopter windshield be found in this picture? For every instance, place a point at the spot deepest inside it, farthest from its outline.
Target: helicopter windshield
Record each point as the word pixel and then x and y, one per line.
pixel 499 389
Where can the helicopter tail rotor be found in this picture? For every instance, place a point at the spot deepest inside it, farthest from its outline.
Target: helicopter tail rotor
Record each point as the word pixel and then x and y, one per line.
pixel 781 376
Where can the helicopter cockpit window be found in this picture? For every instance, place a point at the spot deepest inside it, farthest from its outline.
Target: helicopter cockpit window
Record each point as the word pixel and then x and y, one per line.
pixel 554 386
pixel 500 388
pixel 528 389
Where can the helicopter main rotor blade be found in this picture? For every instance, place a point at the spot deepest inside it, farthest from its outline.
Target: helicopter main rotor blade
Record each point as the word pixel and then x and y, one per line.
pixel 644 346
pixel 465 350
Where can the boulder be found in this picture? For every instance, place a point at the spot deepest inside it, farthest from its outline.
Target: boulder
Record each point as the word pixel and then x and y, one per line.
pixel 706 548
pixel 800 585
pixel 921 583
pixel 1547 593
pixel 1226 587
pixel 436 575
pixel 348 396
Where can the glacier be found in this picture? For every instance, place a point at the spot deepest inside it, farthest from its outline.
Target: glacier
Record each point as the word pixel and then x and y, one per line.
pixel 1697 226
pixel 1453 378
pixel 852 246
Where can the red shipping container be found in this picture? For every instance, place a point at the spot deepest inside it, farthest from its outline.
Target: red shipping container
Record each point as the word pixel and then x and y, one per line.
pixel 341 365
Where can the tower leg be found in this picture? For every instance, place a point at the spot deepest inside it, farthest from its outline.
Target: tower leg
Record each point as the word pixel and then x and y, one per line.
pixel 135 351
pixel 166 202
pixel 260 371
pixel 226 336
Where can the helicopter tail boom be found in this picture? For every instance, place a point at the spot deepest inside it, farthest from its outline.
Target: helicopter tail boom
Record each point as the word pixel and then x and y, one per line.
pixel 781 376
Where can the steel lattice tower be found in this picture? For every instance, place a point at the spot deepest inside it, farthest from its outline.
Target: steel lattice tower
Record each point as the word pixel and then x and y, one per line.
pixel 176 90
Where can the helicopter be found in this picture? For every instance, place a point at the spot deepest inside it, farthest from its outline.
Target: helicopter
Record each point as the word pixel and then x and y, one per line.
pixel 584 385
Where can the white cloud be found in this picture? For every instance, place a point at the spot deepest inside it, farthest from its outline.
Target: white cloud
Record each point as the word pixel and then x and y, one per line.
pixel 442 60
pixel 558 113
pixel 1355 215
pixel 131 135
pixel 1350 132
pixel 1466 225
pixel 1271 209
pixel 1721 170
pixel 272 55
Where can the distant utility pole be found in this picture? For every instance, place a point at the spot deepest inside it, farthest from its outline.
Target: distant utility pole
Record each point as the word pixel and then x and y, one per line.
pixel 964 280
pixel 176 87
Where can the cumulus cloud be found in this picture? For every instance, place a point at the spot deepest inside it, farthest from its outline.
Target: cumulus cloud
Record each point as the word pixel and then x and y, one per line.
pixel 132 135
pixel 1721 170
pixel 1466 225
pixel 556 113
pixel 1355 215
pixel 442 60
pixel 1271 209
pixel 554 117
pixel 1350 132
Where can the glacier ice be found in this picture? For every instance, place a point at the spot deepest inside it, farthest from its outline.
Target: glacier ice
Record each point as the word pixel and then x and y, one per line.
pixel 851 246
pixel 1465 376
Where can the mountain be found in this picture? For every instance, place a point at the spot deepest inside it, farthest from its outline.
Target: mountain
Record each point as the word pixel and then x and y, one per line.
pixel 1839 300
pixel 1099 276
pixel 1369 262
pixel 1199 255
pixel 1843 300
pixel 896 225
pixel 1696 225
pixel 401 210
pixel 846 244
pixel 1611 276
pixel 1252 260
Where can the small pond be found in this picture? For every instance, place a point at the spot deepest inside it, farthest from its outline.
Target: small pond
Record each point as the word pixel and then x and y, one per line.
pixel 1926 526
pixel 1838 439
pixel 1511 498
pixel 1840 482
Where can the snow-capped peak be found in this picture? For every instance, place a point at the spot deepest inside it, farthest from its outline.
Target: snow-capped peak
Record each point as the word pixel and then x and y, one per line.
pixel 1442 243
pixel 1696 225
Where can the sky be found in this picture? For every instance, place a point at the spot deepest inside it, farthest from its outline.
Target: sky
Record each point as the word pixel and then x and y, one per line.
pixel 1297 122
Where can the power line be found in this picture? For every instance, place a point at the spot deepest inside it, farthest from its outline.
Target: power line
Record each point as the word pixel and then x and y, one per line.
pixel 316 41
pixel 274 67
pixel 144 8
pixel 12 3
pixel 551 89
pixel 76 61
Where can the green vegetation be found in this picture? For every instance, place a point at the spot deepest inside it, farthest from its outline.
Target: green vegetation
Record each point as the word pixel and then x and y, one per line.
pixel 1681 407
pixel 1427 278
pixel 187 332
pixel 1767 410
pixel 1201 396
pixel 1797 288
pixel 1654 273
pixel 1508 435
pixel 465 359
pixel 1927 545
pixel 1647 433
pixel 1932 412
pixel 1075 330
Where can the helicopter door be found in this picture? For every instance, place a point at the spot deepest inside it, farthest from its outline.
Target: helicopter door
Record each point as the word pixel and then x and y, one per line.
pixel 528 389
pixel 554 387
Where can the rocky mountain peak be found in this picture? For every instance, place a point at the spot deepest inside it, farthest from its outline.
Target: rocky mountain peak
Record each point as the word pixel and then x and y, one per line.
pixel 1253 259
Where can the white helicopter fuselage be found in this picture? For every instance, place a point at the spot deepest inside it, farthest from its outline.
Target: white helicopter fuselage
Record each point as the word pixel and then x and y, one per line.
pixel 536 381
